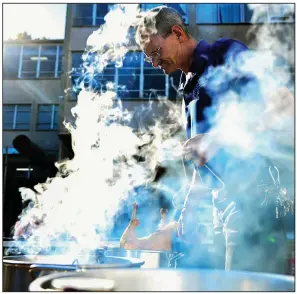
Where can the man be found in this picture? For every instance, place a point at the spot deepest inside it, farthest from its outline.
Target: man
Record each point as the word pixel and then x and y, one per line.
pixel 163 37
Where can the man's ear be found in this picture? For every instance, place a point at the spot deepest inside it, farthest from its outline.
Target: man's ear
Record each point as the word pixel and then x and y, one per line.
pixel 179 33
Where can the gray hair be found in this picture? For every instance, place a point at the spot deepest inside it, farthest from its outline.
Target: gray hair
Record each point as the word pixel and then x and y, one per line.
pixel 158 20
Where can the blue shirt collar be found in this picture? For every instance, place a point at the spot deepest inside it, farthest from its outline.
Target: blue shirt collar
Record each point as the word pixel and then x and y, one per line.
pixel 200 57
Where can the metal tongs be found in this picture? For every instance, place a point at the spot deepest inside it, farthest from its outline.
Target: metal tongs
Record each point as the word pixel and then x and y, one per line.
pixel 283 202
pixel 201 181
pixel 276 180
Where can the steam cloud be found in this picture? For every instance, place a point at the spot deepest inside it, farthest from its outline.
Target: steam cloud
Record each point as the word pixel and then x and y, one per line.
pixel 257 117
pixel 80 202
pixel 252 121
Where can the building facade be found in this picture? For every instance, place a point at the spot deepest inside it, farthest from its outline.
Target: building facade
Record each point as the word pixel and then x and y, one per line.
pixel 32 90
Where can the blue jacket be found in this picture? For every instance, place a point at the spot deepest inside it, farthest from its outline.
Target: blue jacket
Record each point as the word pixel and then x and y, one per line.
pixel 198 94
pixel 215 70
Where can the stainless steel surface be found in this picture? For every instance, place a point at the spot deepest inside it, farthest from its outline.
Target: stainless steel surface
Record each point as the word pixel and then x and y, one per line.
pixel 19 271
pixel 166 280
pixel 152 259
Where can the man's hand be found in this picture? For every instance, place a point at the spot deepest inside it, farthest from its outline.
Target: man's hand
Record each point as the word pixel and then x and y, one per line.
pixel 201 148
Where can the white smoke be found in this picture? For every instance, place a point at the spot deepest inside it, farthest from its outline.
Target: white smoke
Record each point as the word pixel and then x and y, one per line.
pixel 252 122
pixel 278 34
pixel 80 202
pixel 111 40
pixel 258 118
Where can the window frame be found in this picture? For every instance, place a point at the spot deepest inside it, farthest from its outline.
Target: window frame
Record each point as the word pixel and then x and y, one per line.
pixel 15 113
pixel 241 15
pixel 186 19
pixel 94 16
pixel 56 74
pixel 52 122
pixel 141 75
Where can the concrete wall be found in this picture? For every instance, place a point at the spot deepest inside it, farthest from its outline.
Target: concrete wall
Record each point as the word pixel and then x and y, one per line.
pixel 133 106
pixel 32 92
pixel 37 90
pixel 79 37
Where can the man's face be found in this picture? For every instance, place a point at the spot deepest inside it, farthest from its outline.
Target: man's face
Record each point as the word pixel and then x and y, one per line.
pixel 163 52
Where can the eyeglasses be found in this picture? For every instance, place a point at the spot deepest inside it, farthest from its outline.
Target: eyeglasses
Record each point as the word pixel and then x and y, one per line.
pixel 154 57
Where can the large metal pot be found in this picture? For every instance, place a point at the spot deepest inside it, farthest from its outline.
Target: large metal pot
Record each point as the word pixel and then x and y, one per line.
pixel 19 271
pixel 153 259
pixel 162 280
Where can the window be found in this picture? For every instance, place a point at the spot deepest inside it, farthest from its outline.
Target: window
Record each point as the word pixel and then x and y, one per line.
pixel 154 81
pixel 181 8
pixel 101 11
pixel 50 61
pixel 11 60
pixel 32 61
pixel 83 14
pixel 135 79
pixel 47 117
pixel 129 75
pixel 242 13
pixel 76 72
pixel 16 117
pixel 90 14
pixel 248 13
pixel 29 61
pixel 219 13
pixel 92 80
pixel 76 60
pixel 229 13
pixel 206 13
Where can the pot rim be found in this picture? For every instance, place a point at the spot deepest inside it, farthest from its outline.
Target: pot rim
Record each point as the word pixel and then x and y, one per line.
pixel 14 262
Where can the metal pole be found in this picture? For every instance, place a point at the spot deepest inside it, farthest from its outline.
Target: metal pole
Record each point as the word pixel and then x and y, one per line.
pixel 5 172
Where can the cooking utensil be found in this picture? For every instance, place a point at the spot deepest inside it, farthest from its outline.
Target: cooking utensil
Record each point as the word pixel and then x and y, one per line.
pixel 163 280
pixel 19 271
